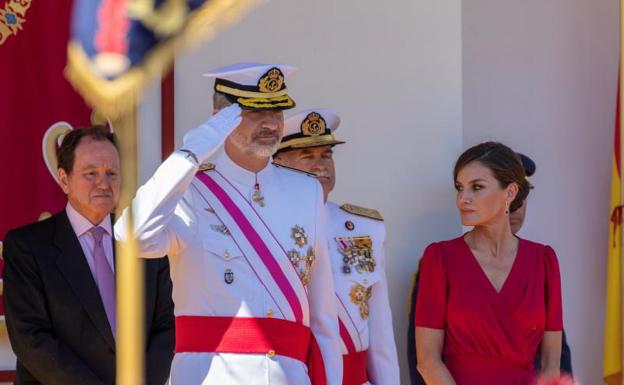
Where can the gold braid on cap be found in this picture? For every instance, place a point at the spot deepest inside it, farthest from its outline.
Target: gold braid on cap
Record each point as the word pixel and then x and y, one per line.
pixel 284 101
pixel 308 141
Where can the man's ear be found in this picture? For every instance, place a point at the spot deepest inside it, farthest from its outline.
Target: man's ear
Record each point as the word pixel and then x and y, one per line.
pixel 63 179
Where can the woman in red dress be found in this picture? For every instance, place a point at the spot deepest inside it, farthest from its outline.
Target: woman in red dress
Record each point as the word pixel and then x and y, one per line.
pixel 488 299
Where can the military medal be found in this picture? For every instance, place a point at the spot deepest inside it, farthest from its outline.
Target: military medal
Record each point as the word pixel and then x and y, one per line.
pixel 220 229
pixel 356 252
pixel 301 261
pixel 257 197
pixel 360 295
pixel 299 236
pixel 228 276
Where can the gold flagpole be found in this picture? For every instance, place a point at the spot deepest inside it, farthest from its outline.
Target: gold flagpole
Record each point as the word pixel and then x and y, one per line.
pixel 621 153
pixel 129 268
pixel 621 99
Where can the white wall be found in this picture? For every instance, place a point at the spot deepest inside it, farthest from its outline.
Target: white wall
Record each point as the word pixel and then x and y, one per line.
pixel 392 70
pixel 149 123
pixel 541 76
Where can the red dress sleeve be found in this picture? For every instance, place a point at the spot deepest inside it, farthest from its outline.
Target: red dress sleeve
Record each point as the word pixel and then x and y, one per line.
pixel 432 289
pixel 554 316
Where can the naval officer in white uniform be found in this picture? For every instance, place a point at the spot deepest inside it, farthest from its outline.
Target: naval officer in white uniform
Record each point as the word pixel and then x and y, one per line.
pixel 254 300
pixel 356 238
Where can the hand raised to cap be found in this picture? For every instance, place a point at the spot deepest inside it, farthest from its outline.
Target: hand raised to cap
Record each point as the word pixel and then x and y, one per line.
pixel 203 141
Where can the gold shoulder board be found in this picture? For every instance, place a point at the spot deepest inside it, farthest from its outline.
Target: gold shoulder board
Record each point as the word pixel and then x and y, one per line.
pixel 206 166
pixel 362 211
pixel 294 169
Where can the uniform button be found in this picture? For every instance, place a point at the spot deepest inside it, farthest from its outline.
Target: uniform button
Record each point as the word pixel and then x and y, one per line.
pixel 226 255
pixel 365 281
pixel 271 353
pixel 269 313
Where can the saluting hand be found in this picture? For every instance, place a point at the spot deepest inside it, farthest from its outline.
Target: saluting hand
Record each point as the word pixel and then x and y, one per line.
pixel 203 141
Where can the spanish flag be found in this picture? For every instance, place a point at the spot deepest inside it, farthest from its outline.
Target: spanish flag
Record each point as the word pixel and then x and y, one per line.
pixel 612 368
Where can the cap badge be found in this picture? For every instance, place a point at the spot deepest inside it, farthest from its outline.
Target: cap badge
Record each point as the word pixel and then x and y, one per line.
pixel 313 125
pixel 272 81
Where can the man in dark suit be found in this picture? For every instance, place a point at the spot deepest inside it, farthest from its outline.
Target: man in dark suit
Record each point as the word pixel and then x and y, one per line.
pixel 59 282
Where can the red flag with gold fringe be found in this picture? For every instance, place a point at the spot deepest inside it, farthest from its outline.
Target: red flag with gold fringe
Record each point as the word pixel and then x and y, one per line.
pixel 34 94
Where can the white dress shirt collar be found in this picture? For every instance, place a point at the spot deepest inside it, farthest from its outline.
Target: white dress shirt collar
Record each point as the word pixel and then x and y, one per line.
pixel 232 171
pixel 81 225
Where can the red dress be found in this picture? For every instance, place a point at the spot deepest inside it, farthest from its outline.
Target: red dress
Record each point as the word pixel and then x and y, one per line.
pixel 490 338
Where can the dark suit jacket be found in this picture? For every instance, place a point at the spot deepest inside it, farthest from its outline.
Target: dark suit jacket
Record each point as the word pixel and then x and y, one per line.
pixel 56 320
pixel 416 378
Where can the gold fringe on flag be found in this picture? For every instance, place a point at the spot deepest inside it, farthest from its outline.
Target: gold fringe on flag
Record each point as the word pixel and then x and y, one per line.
pixel 114 98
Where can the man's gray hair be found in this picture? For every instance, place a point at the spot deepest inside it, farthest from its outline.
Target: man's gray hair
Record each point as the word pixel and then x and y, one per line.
pixel 219 101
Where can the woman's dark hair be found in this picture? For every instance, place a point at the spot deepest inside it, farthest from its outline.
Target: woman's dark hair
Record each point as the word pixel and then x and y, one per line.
pixel 67 151
pixel 504 163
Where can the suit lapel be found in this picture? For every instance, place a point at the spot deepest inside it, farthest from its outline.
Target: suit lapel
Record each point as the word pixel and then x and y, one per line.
pixel 73 265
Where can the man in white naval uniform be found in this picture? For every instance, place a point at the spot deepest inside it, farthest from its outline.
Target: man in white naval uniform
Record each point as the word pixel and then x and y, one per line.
pixel 356 246
pixel 254 302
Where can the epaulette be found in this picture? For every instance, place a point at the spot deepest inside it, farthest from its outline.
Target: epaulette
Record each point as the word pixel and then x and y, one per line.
pixel 294 169
pixel 206 166
pixel 362 211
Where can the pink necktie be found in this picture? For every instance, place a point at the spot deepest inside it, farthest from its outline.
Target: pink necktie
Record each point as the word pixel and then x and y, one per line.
pixel 104 276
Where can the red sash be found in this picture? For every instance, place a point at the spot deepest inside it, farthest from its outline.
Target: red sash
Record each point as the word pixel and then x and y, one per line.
pixel 270 336
pixel 349 335
pixel 354 368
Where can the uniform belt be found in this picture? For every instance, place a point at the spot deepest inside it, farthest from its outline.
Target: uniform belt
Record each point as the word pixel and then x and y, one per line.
pixel 354 368
pixel 270 336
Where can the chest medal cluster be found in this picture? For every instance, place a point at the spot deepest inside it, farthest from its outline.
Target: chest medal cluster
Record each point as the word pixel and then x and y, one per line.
pixel 302 258
pixel 357 252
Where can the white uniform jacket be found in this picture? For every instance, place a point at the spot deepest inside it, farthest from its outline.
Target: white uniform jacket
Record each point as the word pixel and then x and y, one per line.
pixel 362 294
pixel 211 277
